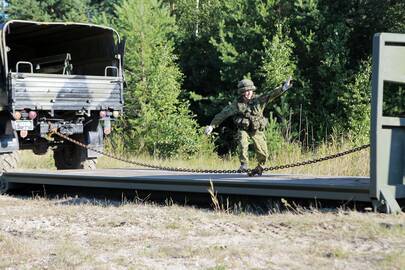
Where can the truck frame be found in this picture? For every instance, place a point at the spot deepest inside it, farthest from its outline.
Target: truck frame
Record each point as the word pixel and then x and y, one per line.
pixel 64 76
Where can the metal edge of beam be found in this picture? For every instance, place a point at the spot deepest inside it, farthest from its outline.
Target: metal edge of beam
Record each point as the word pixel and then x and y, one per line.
pixel 36 178
pixel 349 193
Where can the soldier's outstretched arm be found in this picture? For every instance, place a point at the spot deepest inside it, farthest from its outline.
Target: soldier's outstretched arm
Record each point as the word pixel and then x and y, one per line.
pixel 267 97
pixel 226 112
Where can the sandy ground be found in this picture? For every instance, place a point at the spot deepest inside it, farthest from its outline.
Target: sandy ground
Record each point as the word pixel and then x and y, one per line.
pixel 79 233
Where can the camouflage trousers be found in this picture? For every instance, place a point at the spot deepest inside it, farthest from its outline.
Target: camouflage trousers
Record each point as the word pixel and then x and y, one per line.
pixel 260 145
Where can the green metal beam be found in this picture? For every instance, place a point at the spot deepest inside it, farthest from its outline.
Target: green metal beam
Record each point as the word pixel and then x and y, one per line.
pixel 387 162
pixel 288 186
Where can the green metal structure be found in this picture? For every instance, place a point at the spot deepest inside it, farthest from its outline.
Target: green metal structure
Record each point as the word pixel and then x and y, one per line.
pixel 387 168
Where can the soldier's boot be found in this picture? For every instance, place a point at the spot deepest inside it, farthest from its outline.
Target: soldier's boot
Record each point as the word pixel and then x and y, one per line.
pixel 243 167
pixel 258 171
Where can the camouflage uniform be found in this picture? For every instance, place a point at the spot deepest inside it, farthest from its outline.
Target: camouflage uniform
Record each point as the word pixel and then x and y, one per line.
pixel 248 117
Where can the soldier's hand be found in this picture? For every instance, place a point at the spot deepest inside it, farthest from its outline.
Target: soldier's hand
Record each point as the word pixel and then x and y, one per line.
pixel 287 84
pixel 208 130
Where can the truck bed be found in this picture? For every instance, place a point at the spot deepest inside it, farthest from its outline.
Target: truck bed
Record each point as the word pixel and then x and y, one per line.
pixel 65 92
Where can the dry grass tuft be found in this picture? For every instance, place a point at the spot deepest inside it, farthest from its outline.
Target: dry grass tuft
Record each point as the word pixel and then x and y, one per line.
pixel 214 197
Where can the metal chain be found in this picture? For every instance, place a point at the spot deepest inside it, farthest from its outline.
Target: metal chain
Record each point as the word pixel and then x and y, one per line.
pixel 312 161
pixel 179 169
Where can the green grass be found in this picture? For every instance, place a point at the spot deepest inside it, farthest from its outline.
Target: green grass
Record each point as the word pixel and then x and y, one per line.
pixel 352 164
pixel 393 260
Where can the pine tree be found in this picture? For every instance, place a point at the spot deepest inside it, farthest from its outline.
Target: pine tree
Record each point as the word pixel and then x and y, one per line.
pixel 244 27
pixel 102 12
pixel 156 120
pixel 278 65
pixel 356 104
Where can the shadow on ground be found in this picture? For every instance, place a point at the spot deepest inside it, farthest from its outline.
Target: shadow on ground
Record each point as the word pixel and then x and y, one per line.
pixel 66 195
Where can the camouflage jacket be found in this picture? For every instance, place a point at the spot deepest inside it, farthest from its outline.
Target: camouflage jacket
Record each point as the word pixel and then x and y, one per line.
pixel 248 115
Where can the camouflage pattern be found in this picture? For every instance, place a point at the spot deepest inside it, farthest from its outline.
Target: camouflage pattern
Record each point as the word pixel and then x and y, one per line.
pixel 248 117
pixel 253 107
pixel 259 142
pixel 245 85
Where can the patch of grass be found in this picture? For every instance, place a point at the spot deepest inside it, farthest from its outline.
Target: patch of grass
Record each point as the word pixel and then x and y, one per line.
pixel 67 254
pixel 353 164
pixel 393 261
pixel 29 160
pixel 14 251
pixel 104 240
pixel 372 229
pixel 172 251
pixel 391 229
pixel 172 226
pixel 337 252
pixel 218 267
pixel 326 250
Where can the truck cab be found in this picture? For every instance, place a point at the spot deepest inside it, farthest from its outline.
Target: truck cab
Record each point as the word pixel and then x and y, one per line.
pixel 63 76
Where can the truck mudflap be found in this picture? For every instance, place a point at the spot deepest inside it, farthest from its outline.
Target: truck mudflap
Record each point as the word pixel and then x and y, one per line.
pixel 94 139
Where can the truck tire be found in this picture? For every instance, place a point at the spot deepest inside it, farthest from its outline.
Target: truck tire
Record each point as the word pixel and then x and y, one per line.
pixel 90 164
pixel 70 156
pixel 8 161
pixel 3 186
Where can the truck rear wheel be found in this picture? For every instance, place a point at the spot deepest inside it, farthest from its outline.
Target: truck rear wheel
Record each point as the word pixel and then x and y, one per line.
pixel 70 156
pixel 3 186
pixel 90 164
pixel 8 161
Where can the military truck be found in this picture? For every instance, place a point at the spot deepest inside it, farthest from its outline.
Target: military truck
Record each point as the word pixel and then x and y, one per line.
pixel 63 76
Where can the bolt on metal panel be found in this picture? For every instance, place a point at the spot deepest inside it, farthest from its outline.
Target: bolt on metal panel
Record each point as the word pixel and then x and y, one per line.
pixel 387 168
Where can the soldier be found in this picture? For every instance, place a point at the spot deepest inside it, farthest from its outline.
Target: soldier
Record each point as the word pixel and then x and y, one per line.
pixel 247 111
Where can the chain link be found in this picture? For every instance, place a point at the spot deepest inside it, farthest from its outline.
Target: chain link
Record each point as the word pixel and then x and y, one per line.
pixel 179 169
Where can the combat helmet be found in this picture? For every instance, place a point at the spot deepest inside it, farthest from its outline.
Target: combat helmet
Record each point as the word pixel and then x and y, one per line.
pixel 245 85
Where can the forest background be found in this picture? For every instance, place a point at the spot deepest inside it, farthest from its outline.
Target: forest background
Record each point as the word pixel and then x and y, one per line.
pixel 184 58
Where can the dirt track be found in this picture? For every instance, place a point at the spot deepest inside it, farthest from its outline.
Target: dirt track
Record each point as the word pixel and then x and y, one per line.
pixel 90 234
